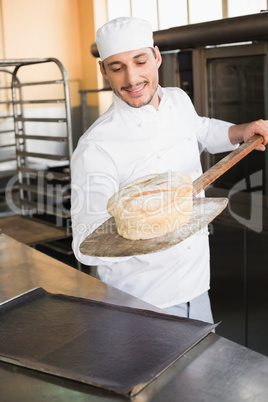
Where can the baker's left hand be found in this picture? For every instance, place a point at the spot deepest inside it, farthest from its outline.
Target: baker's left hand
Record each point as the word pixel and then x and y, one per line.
pixel 243 132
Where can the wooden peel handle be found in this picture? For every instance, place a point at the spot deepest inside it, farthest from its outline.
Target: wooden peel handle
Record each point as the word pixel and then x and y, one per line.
pixel 225 164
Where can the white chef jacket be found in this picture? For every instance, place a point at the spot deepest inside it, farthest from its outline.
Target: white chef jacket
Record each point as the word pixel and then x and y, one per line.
pixel 124 144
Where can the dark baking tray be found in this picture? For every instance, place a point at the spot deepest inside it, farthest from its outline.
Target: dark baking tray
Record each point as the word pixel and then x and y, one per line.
pixel 117 348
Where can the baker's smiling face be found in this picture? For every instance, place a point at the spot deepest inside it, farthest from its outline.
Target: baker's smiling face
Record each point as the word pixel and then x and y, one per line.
pixel 133 76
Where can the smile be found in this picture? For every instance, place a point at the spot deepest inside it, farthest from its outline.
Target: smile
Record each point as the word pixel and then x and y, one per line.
pixel 135 91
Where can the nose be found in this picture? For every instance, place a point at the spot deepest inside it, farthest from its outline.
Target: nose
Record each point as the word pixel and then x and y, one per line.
pixel 131 75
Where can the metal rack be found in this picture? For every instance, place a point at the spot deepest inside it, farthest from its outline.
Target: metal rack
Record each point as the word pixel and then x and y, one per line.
pixel 8 163
pixel 41 146
pixel 83 93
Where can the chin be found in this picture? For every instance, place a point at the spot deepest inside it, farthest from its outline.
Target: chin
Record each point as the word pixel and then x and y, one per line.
pixel 137 103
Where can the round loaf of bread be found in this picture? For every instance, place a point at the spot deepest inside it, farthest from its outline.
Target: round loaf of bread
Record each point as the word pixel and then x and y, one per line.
pixel 152 205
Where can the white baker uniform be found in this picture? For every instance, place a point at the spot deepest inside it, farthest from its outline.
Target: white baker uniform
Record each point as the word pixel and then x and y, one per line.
pixel 124 144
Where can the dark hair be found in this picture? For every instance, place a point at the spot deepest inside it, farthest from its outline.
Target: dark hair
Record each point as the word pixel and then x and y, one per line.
pixel 152 48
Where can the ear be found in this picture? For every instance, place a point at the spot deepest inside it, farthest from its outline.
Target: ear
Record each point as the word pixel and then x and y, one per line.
pixel 102 69
pixel 158 56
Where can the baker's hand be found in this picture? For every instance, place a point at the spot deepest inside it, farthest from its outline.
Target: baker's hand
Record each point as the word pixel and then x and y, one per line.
pixel 243 132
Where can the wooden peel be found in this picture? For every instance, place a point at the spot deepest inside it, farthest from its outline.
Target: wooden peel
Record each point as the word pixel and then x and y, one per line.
pixel 225 164
pixel 106 242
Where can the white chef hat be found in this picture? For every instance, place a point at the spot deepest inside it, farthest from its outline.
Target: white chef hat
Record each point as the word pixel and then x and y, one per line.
pixel 122 35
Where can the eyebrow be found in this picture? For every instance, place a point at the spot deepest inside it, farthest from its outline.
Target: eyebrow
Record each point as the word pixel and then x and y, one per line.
pixel 120 62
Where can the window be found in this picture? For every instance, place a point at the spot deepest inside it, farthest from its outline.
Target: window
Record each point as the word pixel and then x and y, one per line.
pixel 146 9
pixel 205 10
pixel 118 8
pixel 164 14
pixel 172 13
pixel 243 7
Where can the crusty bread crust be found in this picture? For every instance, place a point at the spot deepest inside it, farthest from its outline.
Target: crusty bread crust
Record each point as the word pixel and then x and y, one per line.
pixel 152 206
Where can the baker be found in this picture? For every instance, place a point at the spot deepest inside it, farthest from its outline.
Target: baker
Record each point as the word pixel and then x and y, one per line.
pixel 146 130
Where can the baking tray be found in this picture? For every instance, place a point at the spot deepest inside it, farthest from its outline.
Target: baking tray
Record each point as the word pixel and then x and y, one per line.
pixel 120 349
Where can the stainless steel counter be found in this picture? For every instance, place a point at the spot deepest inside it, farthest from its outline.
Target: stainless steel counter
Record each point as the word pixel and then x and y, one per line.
pixel 214 370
